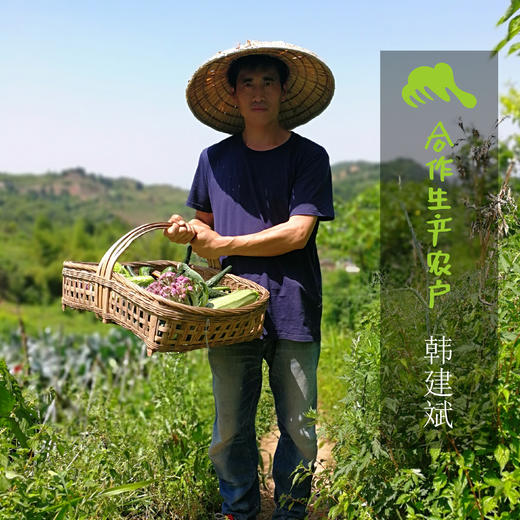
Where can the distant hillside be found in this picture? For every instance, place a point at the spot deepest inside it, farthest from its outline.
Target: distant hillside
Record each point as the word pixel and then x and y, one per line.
pixel 350 178
pixel 74 194
pixel 74 215
pixel 46 219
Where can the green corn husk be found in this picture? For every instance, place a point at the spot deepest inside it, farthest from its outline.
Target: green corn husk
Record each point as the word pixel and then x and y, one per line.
pixel 141 281
pixel 234 300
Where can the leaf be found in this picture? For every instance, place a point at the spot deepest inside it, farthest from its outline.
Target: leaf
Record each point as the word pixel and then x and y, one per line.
pixel 508 336
pixel 4 484
pixel 504 263
pixel 511 493
pixel 439 481
pixel 402 498
pixel 499 46
pixel 376 448
pixel 11 474
pixel 61 514
pixel 15 429
pixel 488 504
pixel 7 400
pixel 513 48
pixel 502 456
pixel 57 506
pixel 434 453
pixel 495 482
pixel 514 27
pixel 512 8
pixel 126 487
pixel 417 472
pixel 390 403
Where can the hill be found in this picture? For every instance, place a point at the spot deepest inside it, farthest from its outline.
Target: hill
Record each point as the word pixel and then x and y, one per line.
pixel 74 215
pixel 46 219
pixel 74 194
pixel 350 178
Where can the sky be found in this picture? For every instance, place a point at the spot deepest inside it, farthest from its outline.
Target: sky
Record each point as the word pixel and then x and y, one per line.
pixel 101 84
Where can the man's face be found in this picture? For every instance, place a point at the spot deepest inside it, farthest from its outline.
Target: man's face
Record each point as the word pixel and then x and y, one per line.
pixel 258 95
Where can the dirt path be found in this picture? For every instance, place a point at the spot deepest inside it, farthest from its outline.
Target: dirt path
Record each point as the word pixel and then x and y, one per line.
pixel 267 447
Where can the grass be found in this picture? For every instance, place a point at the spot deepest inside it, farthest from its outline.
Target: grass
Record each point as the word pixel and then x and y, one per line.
pixel 336 343
pixel 121 422
pixel 39 317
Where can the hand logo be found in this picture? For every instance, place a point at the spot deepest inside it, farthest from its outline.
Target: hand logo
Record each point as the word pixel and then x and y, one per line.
pixel 437 79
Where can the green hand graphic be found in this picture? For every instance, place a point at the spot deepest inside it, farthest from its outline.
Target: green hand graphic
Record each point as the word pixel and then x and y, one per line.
pixel 437 79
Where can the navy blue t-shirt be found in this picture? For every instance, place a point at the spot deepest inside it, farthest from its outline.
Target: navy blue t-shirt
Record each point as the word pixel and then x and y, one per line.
pixel 249 191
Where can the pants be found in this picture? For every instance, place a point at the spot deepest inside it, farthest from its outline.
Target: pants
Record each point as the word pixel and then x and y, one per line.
pixel 237 381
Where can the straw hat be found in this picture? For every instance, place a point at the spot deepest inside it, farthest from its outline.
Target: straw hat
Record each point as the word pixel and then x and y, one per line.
pixel 310 86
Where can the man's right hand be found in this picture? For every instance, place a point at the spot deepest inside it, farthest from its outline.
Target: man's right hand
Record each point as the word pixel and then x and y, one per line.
pixel 180 231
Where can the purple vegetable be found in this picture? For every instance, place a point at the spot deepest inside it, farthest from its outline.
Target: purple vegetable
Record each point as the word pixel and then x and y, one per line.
pixel 173 286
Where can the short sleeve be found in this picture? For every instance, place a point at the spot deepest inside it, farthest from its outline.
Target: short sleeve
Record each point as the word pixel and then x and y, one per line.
pixel 199 198
pixel 312 187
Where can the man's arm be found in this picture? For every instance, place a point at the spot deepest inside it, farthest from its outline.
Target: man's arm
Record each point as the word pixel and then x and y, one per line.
pixel 277 240
pixel 203 218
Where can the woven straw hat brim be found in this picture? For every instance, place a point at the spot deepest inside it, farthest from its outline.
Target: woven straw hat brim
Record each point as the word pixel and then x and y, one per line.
pixel 310 87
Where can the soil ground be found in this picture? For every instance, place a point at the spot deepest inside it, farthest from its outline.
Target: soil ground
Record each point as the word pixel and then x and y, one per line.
pixel 267 449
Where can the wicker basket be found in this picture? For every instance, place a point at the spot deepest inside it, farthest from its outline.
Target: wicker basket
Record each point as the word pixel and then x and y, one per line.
pixel 164 325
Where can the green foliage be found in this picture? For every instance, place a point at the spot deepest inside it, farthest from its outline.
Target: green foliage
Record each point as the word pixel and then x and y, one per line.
pixel 92 428
pixel 16 416
pixel 346 297
pixel 73 194
pixel 47 219
pixel 511 104
pixel 511 107
pixel 36 318
pixel 471 471
pixel 118 435
pixel 452 480
pixel 350 178
pixel 354 233
pixel 512 30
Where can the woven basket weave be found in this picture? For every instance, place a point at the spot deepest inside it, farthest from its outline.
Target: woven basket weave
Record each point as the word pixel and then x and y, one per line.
pixel 164 325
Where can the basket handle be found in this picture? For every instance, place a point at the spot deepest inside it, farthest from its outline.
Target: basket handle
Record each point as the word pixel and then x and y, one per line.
pixel 105 267
pixel 106 264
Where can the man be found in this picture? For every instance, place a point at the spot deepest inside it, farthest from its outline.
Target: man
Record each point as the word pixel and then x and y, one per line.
pixel 258 196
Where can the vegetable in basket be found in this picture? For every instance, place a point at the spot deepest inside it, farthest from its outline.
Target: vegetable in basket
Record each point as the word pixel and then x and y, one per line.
pixel 188 287
pixel 175 287
pixel 141 281
pixel 234 300
pixel 182 284
pixel 121 269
